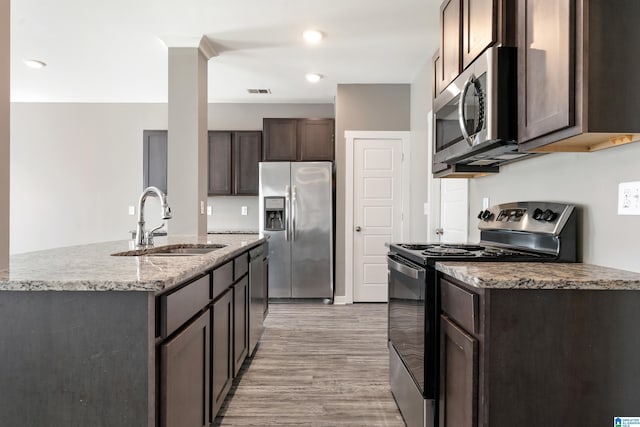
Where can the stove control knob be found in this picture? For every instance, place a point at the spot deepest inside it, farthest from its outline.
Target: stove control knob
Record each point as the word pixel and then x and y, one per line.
pixel 549 215
pixel 485 215
pixel 537 214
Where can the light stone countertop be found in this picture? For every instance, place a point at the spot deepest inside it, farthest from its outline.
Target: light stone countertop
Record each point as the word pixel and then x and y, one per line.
pixel 92 268
pixel 532 275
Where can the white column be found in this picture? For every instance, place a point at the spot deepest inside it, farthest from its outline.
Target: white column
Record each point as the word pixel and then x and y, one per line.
pixel 4 132
pixel 187 150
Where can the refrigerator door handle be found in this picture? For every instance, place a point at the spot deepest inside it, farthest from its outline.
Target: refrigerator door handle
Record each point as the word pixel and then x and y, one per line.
pixel 293 214
pixel 286 213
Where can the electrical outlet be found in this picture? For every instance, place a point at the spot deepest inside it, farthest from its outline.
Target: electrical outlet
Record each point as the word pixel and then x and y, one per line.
pixel 485 203
pixel 426 208
pixel 629 198
pixel 209 210
pixel 201 207
pixel 132 210
pixel 243 211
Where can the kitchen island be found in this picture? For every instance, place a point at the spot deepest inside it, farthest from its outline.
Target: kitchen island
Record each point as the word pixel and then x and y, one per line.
pixel 87 338
pixel 533 344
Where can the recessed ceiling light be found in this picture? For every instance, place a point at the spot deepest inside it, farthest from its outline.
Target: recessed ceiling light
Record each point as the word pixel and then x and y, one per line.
pixel 312 36
pixel 34 63
pixel 313 77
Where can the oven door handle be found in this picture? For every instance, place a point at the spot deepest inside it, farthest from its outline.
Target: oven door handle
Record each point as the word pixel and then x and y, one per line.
pixel 403 267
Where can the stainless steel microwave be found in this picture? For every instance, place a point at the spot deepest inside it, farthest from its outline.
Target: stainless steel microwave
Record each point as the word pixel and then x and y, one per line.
pixel 475 117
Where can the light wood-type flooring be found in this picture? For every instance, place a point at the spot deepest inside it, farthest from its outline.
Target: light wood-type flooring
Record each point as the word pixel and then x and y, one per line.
pixel 316 365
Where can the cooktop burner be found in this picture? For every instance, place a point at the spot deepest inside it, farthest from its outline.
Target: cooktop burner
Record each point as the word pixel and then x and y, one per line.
pixel 414 247
pixel 445 249
pixel 441 247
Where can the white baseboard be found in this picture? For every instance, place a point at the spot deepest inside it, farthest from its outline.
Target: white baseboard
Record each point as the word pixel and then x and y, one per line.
pixel 340 300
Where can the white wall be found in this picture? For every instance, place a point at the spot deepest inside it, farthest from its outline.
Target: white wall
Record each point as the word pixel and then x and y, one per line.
pixel 75 170
pixel 77 167
pixel 363 107
pixel 420 153
pixel 589 180
pixel 227 213
pixel 4 133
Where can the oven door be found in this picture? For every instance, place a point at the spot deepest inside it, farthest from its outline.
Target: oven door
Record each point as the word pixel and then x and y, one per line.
pixel 412 317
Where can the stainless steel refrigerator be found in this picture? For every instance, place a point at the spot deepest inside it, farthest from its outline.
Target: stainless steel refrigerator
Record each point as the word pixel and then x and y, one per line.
pixel 296 212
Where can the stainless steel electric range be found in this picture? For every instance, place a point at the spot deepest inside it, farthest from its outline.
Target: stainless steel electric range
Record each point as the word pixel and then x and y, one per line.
pixel 512 232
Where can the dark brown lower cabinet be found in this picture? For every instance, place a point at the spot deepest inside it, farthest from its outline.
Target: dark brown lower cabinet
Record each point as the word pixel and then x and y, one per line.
pixel 458 376
pixel 240 323
pixel 185 376
pixel 537 357
pixel 221 350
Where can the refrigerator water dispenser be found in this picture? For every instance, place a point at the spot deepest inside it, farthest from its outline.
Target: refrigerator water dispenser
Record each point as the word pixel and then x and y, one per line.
pixel 274 213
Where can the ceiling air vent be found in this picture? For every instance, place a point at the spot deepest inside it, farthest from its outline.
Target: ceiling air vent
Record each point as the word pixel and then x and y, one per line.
pixel 259 91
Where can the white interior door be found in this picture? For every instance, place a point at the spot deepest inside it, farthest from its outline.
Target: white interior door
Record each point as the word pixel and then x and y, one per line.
pixel 377 214
pixel 454 210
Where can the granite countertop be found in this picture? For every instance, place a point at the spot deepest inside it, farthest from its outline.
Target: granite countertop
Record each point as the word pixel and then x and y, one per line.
pixel 92 268
pixel 532 275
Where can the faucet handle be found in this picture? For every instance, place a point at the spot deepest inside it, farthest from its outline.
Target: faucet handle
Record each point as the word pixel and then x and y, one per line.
pixel 148 238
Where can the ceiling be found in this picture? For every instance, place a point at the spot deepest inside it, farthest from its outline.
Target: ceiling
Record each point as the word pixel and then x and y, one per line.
pixel 112 51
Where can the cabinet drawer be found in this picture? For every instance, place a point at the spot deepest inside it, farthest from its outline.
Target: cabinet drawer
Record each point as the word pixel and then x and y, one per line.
pixel 240 266
pixel 179 306
pixel 222 279
pixel 460 305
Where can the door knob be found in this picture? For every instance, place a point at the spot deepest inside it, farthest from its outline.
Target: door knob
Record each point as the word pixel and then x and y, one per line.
pixel 358 228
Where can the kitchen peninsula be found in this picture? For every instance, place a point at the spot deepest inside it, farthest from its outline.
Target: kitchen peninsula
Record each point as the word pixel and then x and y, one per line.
pixel 537 344
pixel 87 338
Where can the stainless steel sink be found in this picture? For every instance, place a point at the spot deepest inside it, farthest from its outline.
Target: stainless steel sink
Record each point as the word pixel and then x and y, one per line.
pixel 174 250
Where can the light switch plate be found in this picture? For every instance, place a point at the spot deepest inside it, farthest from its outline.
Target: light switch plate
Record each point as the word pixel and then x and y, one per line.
pixel 485 203
pixel 629 198
pixel 201 207
pixel 426 208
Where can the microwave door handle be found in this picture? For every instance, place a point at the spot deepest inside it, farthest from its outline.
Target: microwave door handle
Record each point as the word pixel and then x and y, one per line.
pixel 461 116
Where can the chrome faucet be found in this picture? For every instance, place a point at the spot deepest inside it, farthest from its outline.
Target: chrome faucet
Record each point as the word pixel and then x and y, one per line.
pixel 145 239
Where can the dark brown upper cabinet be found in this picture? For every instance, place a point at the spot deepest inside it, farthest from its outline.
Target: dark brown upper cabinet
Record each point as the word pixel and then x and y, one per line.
pixel 298 139
pixel 450 26
pixel 479 29
pixel 233 162
pixel 316 139
pixel 467 28
pixel 578 85
pixel 154 155
pixel 280 139
pixel 220 163
pixel 247 154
